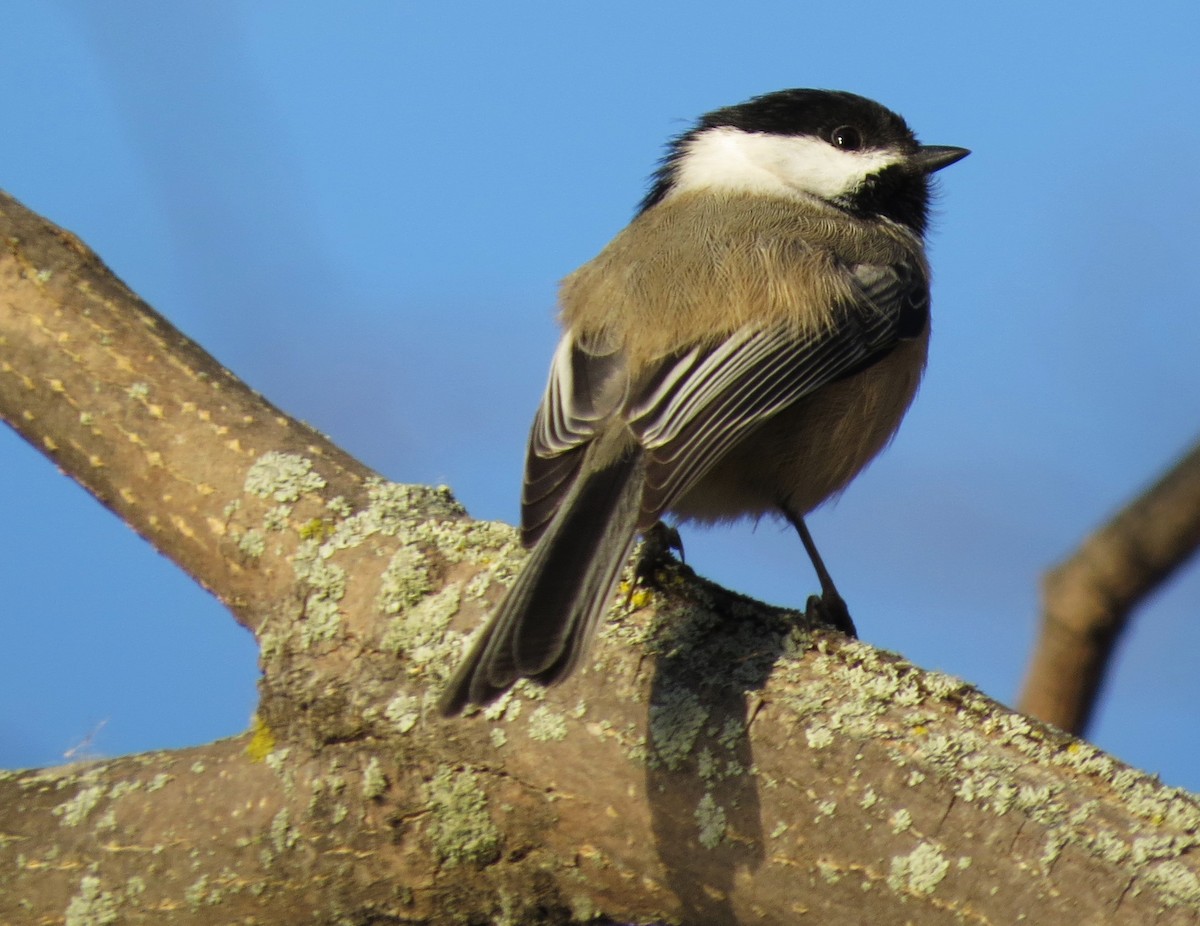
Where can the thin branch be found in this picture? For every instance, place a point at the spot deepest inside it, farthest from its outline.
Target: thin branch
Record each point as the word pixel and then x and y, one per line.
pixel 1089 598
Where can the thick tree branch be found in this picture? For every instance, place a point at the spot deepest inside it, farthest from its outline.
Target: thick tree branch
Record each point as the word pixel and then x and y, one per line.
pixel 1088 599
pixel 138 414
pixel 714 762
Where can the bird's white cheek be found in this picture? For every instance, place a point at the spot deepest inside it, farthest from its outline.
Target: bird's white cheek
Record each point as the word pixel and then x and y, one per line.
pixel 730 159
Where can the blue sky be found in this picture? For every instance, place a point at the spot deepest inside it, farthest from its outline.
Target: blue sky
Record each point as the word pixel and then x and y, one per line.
pixel 363 210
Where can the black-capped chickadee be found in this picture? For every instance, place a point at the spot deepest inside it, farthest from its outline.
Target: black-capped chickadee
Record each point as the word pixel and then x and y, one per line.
pixel 744 347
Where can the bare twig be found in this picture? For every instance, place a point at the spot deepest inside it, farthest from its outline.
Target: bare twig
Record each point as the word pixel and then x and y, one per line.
pixel 1088 599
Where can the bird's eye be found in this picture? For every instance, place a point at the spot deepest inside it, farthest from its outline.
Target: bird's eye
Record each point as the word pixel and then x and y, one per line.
pixel 846 137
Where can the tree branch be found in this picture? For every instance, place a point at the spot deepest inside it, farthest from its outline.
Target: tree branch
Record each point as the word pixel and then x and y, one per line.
pixel 1088 599
pixel 138 414
pixel 716 761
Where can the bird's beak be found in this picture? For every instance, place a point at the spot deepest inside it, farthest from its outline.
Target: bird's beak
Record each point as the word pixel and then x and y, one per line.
pixel 934 157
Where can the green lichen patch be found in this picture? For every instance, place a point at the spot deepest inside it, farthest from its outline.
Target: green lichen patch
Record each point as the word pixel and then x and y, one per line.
pixel 710 819
pixel 313 568
pixel 900 820
pixel 1002 762
pixel 277 760
pixel 91 906
pixel 276 519
pixel 818 736
pixel 196 893
pixel 252 544
pixel 1176 884
pixel 318 529
pixel 732 733
pixel 262 740
pixel 546 724
pixel 830 872
pixel 918 872
pixel 283 477
pixel 339 506
pixel 282 834
pixel 460 827
pixel 375 782
pixel 74 811
pixel 506 707
pixel 1159 806
pixel 403 712
pixel 322 621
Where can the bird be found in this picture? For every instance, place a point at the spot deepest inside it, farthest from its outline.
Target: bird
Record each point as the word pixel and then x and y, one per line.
pixel 743 348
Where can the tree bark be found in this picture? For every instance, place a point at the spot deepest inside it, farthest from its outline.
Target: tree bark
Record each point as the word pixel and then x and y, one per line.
pixel 1089 598
pixel 715 762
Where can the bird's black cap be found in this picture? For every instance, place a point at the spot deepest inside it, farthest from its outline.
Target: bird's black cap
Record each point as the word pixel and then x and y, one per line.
pixel 900 193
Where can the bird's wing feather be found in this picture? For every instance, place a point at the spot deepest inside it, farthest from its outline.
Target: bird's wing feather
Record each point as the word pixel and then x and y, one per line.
pixel 705 401
pixel 587 386
pixel 693 406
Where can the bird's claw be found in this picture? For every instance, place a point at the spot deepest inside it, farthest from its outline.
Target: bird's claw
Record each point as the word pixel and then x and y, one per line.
pixel 657 545
pixel 830 610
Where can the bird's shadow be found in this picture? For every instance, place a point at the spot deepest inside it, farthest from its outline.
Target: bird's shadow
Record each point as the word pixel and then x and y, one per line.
pixel 715 650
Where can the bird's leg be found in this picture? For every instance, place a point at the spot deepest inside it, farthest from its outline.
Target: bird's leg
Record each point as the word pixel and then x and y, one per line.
pixel 829 607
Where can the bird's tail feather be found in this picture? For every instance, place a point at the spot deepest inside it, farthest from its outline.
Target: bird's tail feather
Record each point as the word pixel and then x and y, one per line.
pixel 542 627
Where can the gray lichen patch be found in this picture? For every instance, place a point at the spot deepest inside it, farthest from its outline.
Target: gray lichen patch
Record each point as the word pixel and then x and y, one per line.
pixel 675 722
pixel 314 570
pixel 405 581
pixel 460 827
pixel 998 761
pixel 420 634
pixel 283 477
pixel 418 516
pixel 393 508
pixel 326 585
pixel 487 543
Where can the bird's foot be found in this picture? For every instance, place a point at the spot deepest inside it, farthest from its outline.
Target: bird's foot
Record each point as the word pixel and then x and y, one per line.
pixel 654 554
pixel 830 610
